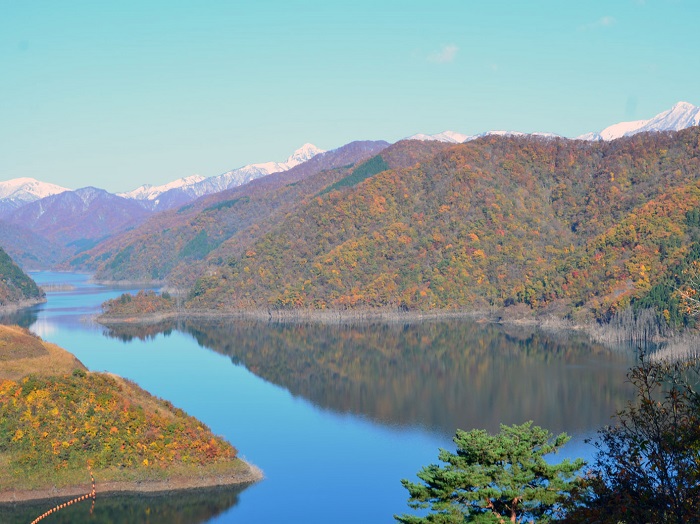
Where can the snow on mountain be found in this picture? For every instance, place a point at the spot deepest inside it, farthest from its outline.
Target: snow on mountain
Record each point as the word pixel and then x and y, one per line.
pixel 301 155
pixel 459 138
pixel 21 191
pixel 149 192
pixel 615 131
pixel 188 188
pixel 680 116
pixel 514 133
pixel 446 136
pixel 17 192
pixel 243 175
pixel 28 189
pixel 75 219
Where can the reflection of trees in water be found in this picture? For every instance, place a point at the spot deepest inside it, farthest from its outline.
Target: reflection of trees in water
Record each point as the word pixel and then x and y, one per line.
pixel 129 332
pixel 23 317
pixel 186 507
pixel 442 375
pixel 182 508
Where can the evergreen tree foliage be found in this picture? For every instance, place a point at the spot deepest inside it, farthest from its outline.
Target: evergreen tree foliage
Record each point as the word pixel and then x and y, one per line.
pixel 495 479
pixel 368 169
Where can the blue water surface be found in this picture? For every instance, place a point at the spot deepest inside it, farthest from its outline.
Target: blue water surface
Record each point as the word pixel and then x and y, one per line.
pixel 332 448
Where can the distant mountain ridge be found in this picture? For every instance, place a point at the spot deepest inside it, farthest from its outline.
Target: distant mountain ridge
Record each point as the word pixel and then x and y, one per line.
pixel 452 137
pixel 681 116
pixel 186 189
pixel 79 218
pixel 20 191
pixel 149 192
pixel 43 224
pixel 180 239
pixel 569 228
pixel 17 192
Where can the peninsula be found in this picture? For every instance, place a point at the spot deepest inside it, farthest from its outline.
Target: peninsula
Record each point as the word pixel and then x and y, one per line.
pixel 59 422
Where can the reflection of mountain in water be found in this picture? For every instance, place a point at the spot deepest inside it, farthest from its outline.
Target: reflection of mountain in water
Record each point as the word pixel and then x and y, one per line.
pixel 442 375
pixel 186 507
pixel 24 317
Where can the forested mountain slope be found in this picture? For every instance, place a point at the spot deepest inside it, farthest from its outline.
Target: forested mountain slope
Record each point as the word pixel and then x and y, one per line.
pixel 16 286
pixel 566 226
pixel 181 239
pixel 78 219
pixel 31 250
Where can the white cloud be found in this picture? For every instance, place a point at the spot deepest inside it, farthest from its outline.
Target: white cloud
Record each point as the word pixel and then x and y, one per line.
pixel 445 55
pixel 605 21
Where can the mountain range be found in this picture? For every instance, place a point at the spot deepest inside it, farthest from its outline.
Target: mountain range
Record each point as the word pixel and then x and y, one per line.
pixel 17 192
pixel 680 116
pixel 20 191
pixel 512 225
pixel 183 190
pixel 179 240
pixel 182 230
pixel 78 219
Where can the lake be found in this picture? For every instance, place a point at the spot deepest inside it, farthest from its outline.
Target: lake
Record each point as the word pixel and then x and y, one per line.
pixel 335 415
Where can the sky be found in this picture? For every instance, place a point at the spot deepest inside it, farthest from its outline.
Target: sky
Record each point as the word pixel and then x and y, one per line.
pixel 118 94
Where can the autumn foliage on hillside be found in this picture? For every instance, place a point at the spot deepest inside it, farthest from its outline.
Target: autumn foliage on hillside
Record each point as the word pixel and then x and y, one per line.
pixel 571 227
pixel 89 418
pixel 174 244
pixel 143 302
pixel 15 284
pixel 57 418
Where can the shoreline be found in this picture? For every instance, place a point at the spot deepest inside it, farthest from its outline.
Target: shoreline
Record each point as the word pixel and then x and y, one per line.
pixel 145 487
pixel 601 333
pixel 340 317
pixel 12 308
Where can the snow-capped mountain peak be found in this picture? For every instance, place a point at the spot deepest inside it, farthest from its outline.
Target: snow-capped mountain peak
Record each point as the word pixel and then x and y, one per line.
pixel 245 174
pixel 28 189
pixel 459 138
pixel 304 153
pixel 195 186
pixel 150 192
pixel 451 137
pixel 680 116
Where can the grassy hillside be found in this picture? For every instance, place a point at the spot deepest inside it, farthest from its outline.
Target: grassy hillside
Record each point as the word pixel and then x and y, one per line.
pixel 15 285
pixel 570 227
pixel 56 418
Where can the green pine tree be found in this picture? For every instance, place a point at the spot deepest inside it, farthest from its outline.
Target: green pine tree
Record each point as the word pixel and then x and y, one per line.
pixel 495 479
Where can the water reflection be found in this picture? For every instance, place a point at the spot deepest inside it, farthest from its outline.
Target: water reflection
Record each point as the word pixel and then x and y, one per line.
pixel 23 317
pixel 189 507
pixel 440 375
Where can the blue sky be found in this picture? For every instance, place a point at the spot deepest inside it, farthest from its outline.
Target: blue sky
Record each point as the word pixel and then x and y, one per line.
pixel 116 94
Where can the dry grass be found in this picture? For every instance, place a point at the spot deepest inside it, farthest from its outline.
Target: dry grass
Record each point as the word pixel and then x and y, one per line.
pixel 22 353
